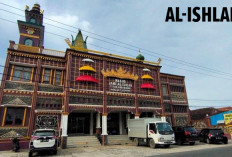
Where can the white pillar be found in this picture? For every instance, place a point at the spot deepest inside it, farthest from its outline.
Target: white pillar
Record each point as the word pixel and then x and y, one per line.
pixel 120 123
pixel 98 120
pixel 91 123
pixel 64 124
pixel 104 124
pixel 136 117
pixel 154 115
pixel 127 118
pixel 163 118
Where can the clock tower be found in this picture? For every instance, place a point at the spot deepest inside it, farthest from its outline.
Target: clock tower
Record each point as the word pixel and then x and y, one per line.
pixel 32 30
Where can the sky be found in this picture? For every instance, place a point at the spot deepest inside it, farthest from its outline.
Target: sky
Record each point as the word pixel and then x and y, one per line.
pixel 202 49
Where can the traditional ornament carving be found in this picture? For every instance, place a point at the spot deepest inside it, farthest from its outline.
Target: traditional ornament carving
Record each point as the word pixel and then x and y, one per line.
pixel 181 120
pixel 11 134
pixel 120 73
pixel 30 31
pixel 17 102
pixel 47 121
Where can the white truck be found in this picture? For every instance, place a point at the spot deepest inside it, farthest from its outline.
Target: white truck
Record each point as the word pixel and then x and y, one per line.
pixel 151 131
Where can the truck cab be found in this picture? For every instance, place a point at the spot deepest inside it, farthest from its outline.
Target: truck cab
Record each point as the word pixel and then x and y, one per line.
pixel 160 133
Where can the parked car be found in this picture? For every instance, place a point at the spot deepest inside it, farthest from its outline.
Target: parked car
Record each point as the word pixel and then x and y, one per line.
pixel 213 136
pixel 185 134
pixel 43 140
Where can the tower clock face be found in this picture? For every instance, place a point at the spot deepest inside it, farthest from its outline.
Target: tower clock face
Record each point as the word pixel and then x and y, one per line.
pixel 30 31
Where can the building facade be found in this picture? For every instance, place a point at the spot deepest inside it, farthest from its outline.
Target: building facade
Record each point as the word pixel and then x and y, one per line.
pixel 81 91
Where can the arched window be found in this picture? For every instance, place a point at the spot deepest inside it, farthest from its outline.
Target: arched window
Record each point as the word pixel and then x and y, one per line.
pixel 28 42
pixel 32 20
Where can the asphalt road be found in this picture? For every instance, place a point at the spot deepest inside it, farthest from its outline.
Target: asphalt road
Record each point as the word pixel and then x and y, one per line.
pixel 215 152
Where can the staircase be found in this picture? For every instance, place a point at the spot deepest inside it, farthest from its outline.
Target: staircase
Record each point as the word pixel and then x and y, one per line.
pixel 82 141
pixel 119 140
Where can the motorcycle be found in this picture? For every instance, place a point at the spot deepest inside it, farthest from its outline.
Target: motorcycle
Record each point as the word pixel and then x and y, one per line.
pixel 15 144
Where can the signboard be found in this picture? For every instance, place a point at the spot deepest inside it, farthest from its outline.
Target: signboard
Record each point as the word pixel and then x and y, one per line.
pixel 120 85
pixel 220 121
pixel 228 118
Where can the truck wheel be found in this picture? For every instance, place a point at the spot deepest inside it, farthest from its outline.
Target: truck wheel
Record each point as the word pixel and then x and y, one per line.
pixel 136 140
pixel 179 142
pixel 226 142
pixel 152 143
pixel 30 154
pixel 167 146
pixel 54 152
pixel 191 143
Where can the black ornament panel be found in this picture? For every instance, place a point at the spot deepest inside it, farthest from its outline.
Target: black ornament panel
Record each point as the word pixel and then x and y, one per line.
pixel 47 121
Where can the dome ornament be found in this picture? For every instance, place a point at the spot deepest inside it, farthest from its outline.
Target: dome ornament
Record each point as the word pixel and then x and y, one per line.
pixel 87 60
pixel 140 57
pixel 87 68
pixel 148 77
pixel 147 70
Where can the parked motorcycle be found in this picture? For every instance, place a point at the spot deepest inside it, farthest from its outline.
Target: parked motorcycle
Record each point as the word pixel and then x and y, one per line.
pixel 15 144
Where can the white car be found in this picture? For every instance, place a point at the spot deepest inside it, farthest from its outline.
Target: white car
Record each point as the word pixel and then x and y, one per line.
pixel 43 140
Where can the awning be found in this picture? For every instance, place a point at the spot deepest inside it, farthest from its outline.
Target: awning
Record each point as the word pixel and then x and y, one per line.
pixel 147 77
pixel 147 86
pixel 86 78
pixel 87 68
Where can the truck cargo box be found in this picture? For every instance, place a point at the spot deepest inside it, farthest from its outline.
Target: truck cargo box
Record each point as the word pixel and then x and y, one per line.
pixel 138 127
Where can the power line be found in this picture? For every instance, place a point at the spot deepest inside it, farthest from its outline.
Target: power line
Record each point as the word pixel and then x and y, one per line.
pixel 101 47
pixel 133 56
pixel 178 60
pixel 125 48
pixel 211 106
pixel 209 100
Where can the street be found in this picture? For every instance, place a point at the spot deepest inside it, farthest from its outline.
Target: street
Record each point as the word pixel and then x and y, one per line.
pixel 216 152
pixel 199 150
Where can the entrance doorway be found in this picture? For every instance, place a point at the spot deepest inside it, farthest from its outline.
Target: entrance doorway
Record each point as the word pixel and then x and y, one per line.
pixel 79 123
pixel 113 124
pixel 117 123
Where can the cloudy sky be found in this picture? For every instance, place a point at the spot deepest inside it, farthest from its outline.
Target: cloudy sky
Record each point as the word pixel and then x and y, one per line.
pixel 199 51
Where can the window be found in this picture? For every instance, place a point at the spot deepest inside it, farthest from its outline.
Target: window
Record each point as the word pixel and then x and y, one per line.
pixel 32 20
pixel 22 74
pixel 46 76
pixel 152 127
pixel 164 89
pixel 44 133
pixel 58 77
pixel 14 116
pixel 28 42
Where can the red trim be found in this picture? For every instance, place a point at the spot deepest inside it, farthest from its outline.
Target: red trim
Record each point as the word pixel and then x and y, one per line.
pixel 86 78
pixel 147 85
